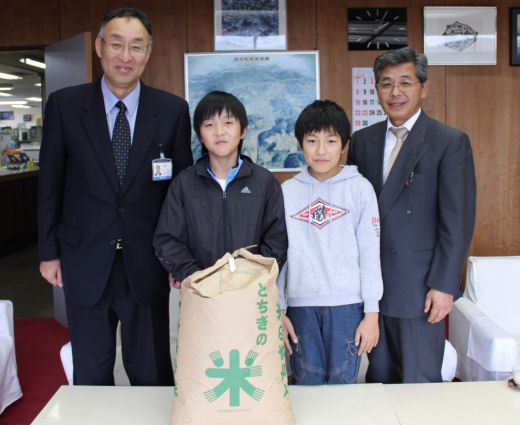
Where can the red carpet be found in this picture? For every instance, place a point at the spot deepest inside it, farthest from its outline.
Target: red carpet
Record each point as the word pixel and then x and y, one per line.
pixel 37 344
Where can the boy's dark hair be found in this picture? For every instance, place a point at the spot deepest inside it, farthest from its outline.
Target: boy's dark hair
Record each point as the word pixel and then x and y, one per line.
pixel 323 115
pixel 216 102
pixel 127 12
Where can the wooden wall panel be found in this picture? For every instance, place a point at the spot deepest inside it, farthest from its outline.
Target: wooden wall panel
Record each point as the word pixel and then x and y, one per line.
pixel 165 69
pixel 29 24
pixel 301 25
pixel 200 22
pixel 484 102
pixel 480 100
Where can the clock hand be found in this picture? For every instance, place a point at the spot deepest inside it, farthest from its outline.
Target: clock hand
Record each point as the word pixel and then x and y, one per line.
pixel 382 20
pixel 378 31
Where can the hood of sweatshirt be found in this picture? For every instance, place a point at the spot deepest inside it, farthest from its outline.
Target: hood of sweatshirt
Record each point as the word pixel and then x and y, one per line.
pixel 347 172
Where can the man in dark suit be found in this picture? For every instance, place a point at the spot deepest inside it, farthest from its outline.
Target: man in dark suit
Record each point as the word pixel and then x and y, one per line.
pixel 98 206
pixel 426 194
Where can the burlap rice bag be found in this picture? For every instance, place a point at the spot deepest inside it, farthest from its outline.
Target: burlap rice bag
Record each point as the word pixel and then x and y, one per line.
pixel 230 362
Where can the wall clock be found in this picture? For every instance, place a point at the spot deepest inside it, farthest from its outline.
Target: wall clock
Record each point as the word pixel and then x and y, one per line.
pixel 377 28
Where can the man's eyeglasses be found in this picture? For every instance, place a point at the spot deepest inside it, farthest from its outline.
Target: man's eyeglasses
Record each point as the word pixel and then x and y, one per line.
pixel 403 86
pixel 117 47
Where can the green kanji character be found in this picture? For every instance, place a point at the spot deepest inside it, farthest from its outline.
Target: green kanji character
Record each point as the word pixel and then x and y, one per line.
pixel 234 378
pixel 283 373
pixel 281 351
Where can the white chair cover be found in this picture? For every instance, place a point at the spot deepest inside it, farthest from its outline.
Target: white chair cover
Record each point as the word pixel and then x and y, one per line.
pixel 484 324
pixel 10 390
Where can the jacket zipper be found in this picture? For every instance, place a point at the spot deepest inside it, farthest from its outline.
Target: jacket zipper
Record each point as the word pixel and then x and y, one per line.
pixel 224 219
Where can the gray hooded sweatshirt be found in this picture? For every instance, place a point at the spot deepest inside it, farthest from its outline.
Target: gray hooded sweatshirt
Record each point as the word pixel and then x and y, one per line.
pixel 333 231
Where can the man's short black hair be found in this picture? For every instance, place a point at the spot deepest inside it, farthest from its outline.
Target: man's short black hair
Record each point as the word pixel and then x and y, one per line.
pixel 217 102
pixel 127 12
pixel 323 115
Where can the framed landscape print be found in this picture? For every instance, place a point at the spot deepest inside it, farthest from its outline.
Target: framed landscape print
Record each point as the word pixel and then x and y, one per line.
pixel 274 88
pixel 460 35
pixel 250 25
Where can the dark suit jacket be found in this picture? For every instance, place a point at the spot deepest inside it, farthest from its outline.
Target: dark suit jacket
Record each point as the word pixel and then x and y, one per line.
pixel 426 207
pixel 82 210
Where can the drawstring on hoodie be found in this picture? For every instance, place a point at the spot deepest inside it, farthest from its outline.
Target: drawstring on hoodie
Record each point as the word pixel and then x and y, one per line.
pixel 309 218
pixel 329 184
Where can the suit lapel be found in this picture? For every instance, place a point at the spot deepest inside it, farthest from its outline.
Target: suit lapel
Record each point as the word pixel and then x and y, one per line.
pixel 145 127
pixel 413 148
pixel 95 123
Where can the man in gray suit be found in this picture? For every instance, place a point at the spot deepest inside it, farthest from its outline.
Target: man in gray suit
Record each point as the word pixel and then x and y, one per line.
pixel 423 174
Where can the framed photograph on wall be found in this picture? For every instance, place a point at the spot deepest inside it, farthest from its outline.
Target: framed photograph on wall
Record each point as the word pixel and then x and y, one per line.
pixel 274 88
pixel 460 35
pixel 250 25
pixel 515 35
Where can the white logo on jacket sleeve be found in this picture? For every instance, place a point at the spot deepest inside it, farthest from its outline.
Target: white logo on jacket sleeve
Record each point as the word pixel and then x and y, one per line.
pixel 320 213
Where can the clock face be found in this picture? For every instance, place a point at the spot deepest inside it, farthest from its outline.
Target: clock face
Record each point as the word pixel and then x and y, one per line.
pixel 377 28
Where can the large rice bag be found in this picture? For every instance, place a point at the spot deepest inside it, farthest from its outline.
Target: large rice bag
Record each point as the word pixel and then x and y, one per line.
pixel 230 362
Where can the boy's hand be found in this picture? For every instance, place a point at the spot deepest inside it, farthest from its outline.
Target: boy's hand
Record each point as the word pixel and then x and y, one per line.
pixel 174 283
pixel 367 333
pixel 288 331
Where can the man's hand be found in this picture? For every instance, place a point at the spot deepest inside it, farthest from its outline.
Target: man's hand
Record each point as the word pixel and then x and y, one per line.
pixel 367 333
pixel 174 283
pixel 51 272
pixel 288 331
pixel 440 304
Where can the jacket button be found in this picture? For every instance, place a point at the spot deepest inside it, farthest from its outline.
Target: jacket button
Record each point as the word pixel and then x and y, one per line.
pixel 393 251
pixel 121 210
pixel 408 212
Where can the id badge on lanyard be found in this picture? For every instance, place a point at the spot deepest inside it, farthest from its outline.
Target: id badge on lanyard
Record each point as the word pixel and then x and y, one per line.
pixel 161 167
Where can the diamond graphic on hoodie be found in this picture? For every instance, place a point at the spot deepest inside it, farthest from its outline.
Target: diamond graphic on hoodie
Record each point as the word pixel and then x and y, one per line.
pixel 320 213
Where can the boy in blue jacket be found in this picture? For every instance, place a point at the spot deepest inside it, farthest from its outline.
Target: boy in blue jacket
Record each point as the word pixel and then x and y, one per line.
pixel 222 203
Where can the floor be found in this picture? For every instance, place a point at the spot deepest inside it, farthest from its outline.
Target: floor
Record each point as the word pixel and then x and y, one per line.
pixel 20 282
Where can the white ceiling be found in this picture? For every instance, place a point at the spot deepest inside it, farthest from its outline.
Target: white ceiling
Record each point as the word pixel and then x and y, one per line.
pixel 24 88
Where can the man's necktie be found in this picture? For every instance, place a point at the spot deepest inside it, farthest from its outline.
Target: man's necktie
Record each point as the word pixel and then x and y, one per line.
pixel 121 142
pixel 399 133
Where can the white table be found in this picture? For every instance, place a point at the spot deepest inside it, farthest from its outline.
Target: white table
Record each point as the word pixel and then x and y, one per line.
pixel 457 403
pixel 464 403
pixel 83 405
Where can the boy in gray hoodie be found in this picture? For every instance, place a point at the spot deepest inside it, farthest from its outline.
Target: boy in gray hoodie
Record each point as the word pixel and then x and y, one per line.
pixel 331 284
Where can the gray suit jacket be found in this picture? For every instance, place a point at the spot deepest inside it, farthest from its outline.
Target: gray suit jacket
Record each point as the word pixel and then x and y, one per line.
pixel 426 207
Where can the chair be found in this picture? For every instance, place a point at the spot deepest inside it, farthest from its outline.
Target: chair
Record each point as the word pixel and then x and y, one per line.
pixel 120 377
pixel 10 390
pixel 485 322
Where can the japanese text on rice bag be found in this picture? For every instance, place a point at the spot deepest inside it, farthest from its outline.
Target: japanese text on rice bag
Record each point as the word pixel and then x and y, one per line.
pixel 230 362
